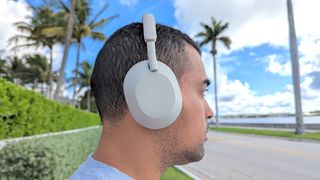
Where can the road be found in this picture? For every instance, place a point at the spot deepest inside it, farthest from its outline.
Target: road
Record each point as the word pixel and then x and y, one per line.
pixel 242 157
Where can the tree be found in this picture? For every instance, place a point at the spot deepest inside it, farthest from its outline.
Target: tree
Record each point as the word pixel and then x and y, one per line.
pixel 30 69
pixel 83 82
pixel 44 30
pixel 212 34
pixel 66 48
pixel 14 69
pixel 295 70
pixel 36 70
pixel 83 27
pixel 3 70
pixel 84 102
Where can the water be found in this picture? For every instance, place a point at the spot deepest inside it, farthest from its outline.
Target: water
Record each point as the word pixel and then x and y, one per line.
pixel 273 120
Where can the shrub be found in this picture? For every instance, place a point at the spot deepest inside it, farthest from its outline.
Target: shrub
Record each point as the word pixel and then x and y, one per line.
pixel 55 157
pixel 24 112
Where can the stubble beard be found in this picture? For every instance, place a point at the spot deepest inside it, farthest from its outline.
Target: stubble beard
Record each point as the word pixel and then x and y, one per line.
pixel 174 152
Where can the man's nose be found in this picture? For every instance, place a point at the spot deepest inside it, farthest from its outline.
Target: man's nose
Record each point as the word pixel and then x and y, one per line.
pixel 208 110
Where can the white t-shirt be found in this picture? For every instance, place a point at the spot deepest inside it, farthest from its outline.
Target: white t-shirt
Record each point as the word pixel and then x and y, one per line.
pixel 92 169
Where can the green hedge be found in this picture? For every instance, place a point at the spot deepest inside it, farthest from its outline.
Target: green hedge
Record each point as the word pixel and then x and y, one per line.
pixel 54 157
pixel 24 112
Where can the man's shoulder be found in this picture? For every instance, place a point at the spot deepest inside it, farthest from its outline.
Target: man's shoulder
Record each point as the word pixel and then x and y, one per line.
pixel 95 170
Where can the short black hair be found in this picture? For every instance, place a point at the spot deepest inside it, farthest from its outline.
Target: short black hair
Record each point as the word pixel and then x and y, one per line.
pixel 121 51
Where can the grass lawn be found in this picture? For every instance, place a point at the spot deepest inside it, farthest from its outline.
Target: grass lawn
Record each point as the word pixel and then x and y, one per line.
pixel 174 173
pixel 276 133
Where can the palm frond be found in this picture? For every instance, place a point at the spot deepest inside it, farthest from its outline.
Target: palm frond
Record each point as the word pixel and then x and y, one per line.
pixel 64 6
pixel 104 7
pixel 202 34
pixel 53 32
pixel 103 22
pixel 226 41
pixel 212 34
pixel 204 42
pixel 98 36
pixel 208 29
pixel 17 38
pixel 36 45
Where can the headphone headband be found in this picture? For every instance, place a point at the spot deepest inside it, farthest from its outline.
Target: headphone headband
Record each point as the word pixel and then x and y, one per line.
pixel 150 37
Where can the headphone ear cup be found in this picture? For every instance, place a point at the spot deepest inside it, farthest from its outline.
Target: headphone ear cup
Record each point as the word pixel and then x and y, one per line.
pixel 153 98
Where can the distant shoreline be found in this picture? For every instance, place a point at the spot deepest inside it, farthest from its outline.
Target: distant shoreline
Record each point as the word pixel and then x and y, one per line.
pixel 265 115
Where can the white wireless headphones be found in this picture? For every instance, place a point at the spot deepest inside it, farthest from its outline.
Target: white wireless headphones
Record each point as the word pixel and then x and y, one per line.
pixel 151 88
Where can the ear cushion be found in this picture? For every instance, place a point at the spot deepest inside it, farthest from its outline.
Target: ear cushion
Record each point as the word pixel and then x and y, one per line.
pixel 153 98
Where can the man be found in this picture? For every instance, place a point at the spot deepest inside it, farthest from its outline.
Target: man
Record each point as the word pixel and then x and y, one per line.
pixel 126 149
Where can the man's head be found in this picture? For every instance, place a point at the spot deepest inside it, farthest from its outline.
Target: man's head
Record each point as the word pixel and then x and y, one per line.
pixel 124 49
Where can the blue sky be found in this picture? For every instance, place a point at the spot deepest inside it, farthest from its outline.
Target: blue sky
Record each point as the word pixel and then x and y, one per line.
pixel 254 76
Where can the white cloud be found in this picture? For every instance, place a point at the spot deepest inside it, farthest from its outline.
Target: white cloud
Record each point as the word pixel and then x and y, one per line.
pixel 309 60
pixel 251 22
pixel 275 65
pixel 236 97
pixel 11 12
pixel 310 55
pixel 129 3
pixel 16 11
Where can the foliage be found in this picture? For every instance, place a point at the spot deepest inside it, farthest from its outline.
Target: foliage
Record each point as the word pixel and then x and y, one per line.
pixel 45 29
pixel 24 112
pixel 212 34
pixel 84 102
pixel 27 70
pixel 12 68
pixel 55 157
pixel 83 27
pixel 82 80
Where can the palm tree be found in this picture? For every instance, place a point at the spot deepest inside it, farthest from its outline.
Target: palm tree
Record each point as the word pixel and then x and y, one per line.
pixel 35 71
pixel 14 69
pixel 83 104
pixel 66 48
pixel 45 30
pixel 212 34
pixel 295 70
pixel 83 81
pixel 3 70
pixel 83 27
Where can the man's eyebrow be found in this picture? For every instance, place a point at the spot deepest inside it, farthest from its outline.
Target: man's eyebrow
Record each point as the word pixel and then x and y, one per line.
pixel 207 82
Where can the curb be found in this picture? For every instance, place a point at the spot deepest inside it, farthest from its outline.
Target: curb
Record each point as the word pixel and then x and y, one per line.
pixel 188 173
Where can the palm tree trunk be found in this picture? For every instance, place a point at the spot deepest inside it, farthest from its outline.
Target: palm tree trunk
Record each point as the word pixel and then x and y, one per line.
pixel 41 87
pixel 89 100
pixel 77 74
pixel 50 75
pixel 215 88
pixel 34 84
pixel 66 49
pixel 295 70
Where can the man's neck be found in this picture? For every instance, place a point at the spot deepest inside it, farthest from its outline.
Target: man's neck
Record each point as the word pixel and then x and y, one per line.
pixel 130 151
